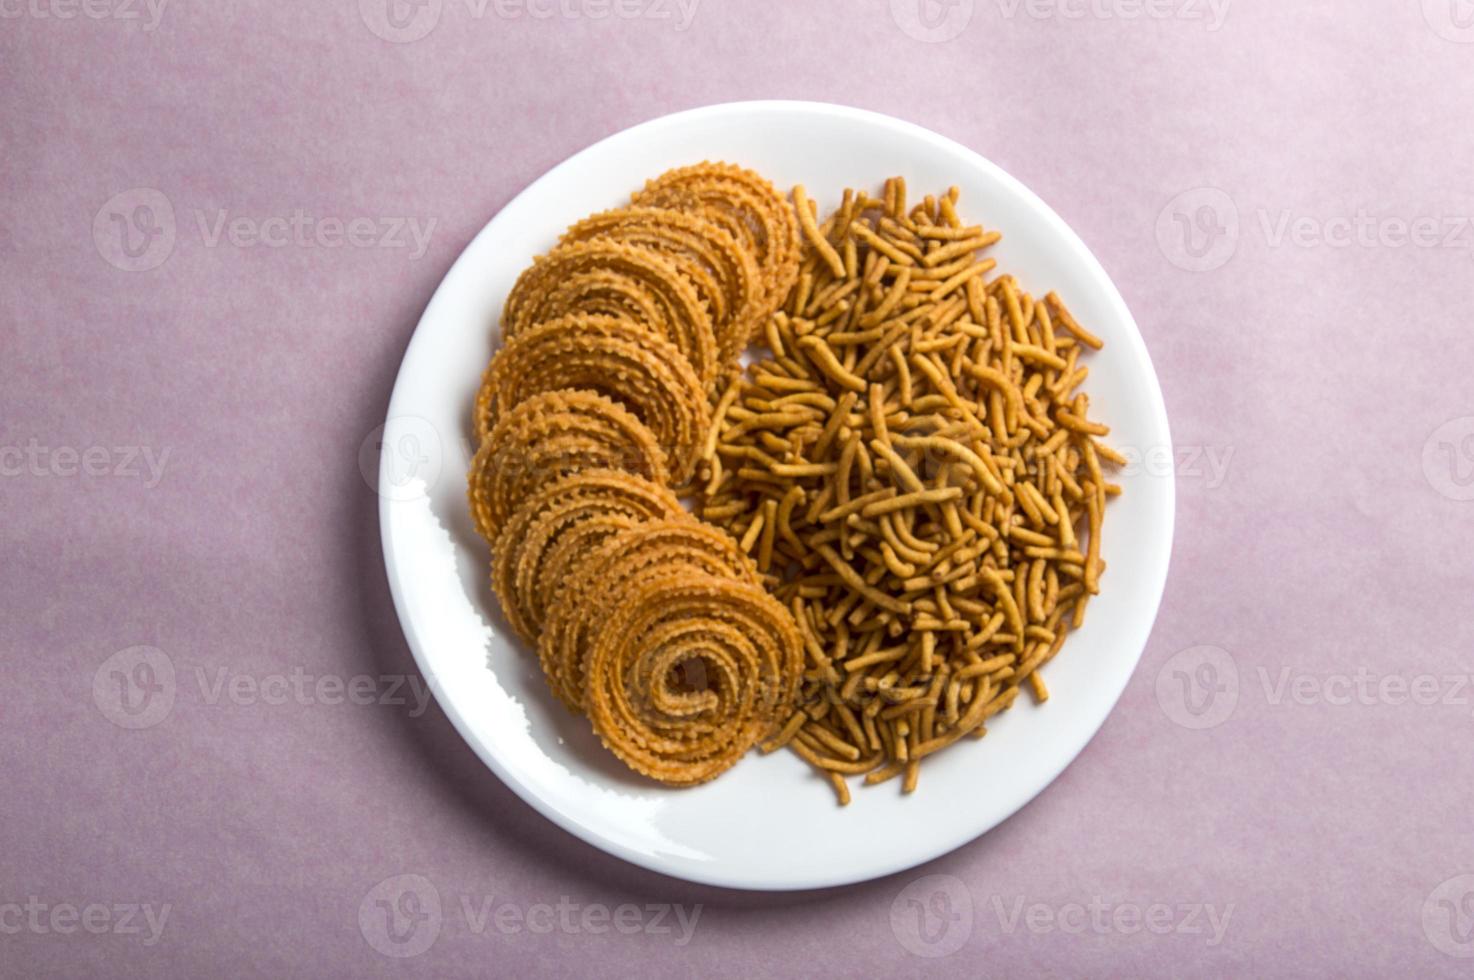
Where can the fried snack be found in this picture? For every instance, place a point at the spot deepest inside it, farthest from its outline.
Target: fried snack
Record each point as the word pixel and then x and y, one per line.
pixel 616 358
pixel 680 314
pixel 914 469
pixel 550 435
pixel 744 204
pixel 608 293
pixel 557 527
pixel 579 611
pixel 723 272
pixel 655 622
pixel 689 671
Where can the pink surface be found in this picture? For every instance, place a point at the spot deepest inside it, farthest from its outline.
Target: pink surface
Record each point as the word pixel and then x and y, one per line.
pixel 1283 789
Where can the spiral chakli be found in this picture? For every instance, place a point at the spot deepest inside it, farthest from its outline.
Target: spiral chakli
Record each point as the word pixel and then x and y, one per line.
pixel 614 357
pixel 682 316
pixel 723 272
pixel 689 671
pixel 619 347
pixel 579 610
pixel 745 205
pixel 552 434
pixel 605 292
pixel 557 528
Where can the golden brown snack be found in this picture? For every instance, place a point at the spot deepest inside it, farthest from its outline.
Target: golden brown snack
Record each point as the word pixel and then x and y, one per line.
pixel 744 204
pixel 724 273
pixel 689 672
pixel 914 469
pixel 682 317
pixel 614 357
pixel 607 292
pixel 581 607
pixel 554 531
pixel 550 435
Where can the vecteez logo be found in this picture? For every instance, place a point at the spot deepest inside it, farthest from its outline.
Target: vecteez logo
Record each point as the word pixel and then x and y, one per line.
pixel 401 21
pixel 135 688
pixel 932 21
pixel 1452 20
pixel 401 916
pixel 402 459
pixel 1448 459
pixel 1198 687
pixel 146 14
pixel 135 230
pixel 1448 917
pixel 1198 230
pixel 933 916
pixel 404 21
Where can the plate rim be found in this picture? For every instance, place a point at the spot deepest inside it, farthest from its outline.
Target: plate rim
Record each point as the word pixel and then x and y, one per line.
pixel 694 871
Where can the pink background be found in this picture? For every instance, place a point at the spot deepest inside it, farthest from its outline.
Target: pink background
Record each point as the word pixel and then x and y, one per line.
pixel 1334 379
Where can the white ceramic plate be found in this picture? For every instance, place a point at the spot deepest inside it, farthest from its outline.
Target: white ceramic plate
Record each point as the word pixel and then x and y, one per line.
pixel 769 823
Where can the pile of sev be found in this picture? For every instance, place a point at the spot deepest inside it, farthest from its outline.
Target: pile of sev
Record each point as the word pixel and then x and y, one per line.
pixel 914 470
pixel 655 625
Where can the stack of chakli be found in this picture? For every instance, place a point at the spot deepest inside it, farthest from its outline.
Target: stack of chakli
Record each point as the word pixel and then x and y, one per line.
pixel 591 419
